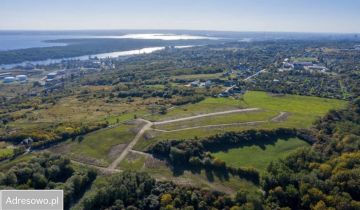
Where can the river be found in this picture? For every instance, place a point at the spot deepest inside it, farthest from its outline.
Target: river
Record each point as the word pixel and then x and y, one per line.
pixel 87 57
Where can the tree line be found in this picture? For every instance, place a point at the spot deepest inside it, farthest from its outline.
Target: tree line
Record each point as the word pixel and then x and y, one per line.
pixel 196 154
pixel 135 190
pixel 47 171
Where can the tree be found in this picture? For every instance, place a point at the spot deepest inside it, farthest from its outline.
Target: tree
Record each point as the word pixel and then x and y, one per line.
pixel 10 179
pixel 39 181
pixel 194 199
pixel 53 172
pixel 152 202
pixel 24 174
pixel 320 206
pixel 240 197
pixel 162 110
pixel 123 192
pixel 165 199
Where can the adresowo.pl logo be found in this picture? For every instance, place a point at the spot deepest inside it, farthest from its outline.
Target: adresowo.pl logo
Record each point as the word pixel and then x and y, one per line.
pixel 31 200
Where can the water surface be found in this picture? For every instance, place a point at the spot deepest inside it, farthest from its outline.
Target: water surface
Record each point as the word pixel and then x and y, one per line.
pixel 87 57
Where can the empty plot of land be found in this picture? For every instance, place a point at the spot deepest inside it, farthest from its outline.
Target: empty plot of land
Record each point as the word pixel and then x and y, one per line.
pixel 205 115
pixel 270 112
pixel 238 118
pixel 129 147
pixel 288 111
pixel 259 154
pixel 209 105
pixel 98 148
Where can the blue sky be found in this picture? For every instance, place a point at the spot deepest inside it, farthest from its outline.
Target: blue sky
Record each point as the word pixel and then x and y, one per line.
pixel 341 16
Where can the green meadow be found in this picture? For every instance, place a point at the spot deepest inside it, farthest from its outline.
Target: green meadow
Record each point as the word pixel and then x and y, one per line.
pixel 301 111
pixel 260 155
pixel 208 105
pixel 6 153
pixel 99 147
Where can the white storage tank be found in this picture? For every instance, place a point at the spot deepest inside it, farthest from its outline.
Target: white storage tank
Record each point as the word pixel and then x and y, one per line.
pixel 9 79
pixel 21 77
pixel 51 75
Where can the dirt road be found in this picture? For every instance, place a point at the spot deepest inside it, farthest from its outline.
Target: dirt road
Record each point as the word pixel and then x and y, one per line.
pixel 129 147
pixel 278 118
pixel 148 125
pixel 254 75
pixel 211 126
pixel 205 115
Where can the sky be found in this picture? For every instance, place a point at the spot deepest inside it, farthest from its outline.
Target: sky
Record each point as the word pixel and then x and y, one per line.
pixel 340 16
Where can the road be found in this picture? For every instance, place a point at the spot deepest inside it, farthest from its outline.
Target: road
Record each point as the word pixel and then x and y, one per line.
pixel 205 115
pixel 277 118
pixel 254 75
pixel 141 153
pixel 229 88
pixel 212 126
pixel 147 126
pixel 129 147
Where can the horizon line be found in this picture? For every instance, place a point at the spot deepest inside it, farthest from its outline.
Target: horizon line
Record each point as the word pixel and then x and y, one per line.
pixel 195 30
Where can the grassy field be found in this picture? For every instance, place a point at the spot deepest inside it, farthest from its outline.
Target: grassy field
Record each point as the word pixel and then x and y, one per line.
pixel 125 117
pixel 304 59
pixel 301 111
pixel 73 110
pixel 259 156
pixel 206 106
pixel 100 147
pixel 6 150
pixel 132 162
pixel 6 153
pixel 221 119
